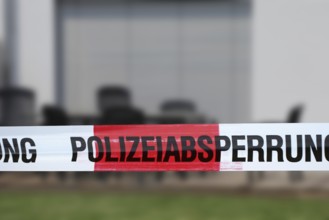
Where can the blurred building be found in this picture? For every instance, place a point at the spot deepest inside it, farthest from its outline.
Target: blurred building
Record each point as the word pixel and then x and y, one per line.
pixel 239 60
pixel 160 50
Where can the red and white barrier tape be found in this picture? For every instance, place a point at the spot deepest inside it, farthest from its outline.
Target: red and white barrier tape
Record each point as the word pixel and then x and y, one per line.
pixel 211 147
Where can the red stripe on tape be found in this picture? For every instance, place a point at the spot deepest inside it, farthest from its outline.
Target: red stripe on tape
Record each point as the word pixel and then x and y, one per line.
pixel 151 153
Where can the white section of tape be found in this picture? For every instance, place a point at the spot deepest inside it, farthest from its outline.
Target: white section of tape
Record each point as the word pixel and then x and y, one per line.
pixel 274 129
pixel 53 146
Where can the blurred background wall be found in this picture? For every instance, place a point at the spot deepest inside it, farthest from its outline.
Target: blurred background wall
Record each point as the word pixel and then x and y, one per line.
pixel 159 50
pixel 290 51
pixel 195 50
pixel 287 53
pixel 2 38
pixel 284 62
pixel 29 37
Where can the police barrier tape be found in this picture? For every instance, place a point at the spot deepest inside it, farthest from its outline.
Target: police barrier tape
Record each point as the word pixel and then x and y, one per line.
pixel 210 147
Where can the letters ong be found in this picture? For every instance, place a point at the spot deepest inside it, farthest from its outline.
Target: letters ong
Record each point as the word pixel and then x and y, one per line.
pixel 243 148
pixel 17 150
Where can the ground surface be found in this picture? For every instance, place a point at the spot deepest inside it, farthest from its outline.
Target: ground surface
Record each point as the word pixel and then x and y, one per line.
pixel 144 206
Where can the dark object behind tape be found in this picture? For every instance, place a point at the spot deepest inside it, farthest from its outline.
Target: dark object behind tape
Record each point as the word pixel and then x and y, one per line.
pixel 112 97
pixel 54 115
pixel 178 105
pixel 122 116
pixel 17 107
